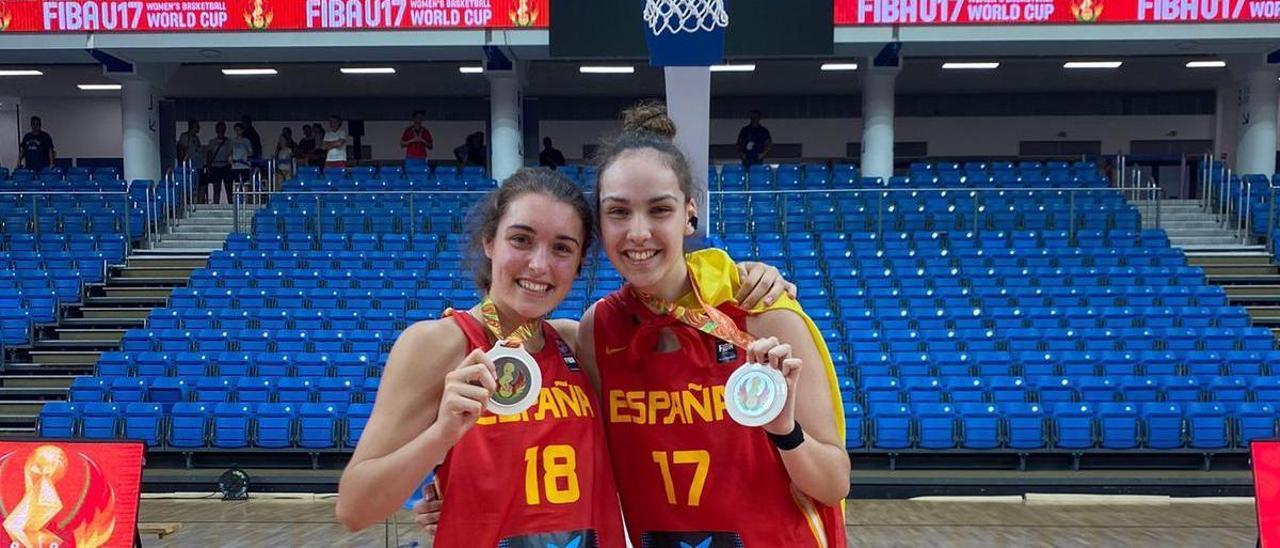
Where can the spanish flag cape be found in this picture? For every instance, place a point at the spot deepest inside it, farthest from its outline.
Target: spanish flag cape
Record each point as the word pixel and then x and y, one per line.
pixel 715 276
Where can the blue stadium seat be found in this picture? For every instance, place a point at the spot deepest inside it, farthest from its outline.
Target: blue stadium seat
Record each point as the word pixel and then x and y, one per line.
pixel 317 426
pixel 231 425
pixel 296 390
pixel 100 421
pixel 129 389
pixel 143 421
pixel 59 420
pixel 1073 425
pixel 1255 420
pixel 357 418
pixel 1208 426
pixel 854 420
pixel 936 425
pixel 254 389
pixel 213 389
pixel 980 426
pixel 1118 425
pixel 274 427
pixel 335 390
pixel 891 426
pixel 1165 427
pixel 88 389
pixel 1026 425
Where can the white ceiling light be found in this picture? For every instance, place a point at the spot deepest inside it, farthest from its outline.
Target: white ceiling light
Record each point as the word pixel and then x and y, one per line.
pixel 839 66
pixel 970 66
pixel 98 87
pixel 21 73
pixel 367 70
pixel 250 72
pixel 1092 64
pixel 587 69
pixel 1206 64
pixel 471 70
pixel 733 68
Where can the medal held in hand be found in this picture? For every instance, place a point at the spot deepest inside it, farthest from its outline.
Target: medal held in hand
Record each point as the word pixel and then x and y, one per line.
pixel 519 378
pixel 755 393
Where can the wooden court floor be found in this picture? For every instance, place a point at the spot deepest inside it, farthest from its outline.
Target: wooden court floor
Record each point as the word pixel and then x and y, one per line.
pixel 872 523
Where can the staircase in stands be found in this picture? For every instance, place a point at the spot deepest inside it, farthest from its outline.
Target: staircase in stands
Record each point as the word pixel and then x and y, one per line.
pixel 1247 271
pixel 62 352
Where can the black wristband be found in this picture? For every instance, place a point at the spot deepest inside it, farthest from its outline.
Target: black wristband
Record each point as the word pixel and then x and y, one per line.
pixel 787 442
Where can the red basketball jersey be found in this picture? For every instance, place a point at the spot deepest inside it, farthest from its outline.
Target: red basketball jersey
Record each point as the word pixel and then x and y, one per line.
pixel 540 478
pixel 688 474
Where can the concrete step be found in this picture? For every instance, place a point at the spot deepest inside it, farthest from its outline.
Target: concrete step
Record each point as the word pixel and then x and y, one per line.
pixel 1260 260
pixel 1229 270
pixel 29 408
pixel 188 236
pixel 37 381
pixel 205 246
pixel 107 313
pixel 65 357
pixel 87 345
pixel 157 271
pixel 1251 290
pixel 220 228
pixel 32 394
pixel 17 370
pixel 136 292
pixel 174 261
pixel 80 334
pixel 1263 313
pixel 103 323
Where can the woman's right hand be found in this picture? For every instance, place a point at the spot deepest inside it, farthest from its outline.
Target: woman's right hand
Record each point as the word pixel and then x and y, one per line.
pixel 466 390
pixel 426 512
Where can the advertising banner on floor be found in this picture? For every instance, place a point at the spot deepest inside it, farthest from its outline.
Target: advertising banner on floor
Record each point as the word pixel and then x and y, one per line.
pixel 267 15
pixel 69 494
pixel 1066 12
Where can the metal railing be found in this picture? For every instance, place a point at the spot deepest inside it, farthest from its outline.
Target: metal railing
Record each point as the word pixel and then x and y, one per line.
pixel 125 201
pixel 244 197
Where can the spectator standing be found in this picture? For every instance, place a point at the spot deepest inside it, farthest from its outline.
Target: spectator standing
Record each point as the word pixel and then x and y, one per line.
pixel 335 142
pixel 218 156
pixel 190 149
pixel 416 140
pixel 754 141
pixel 319 153
pixel 472 152
pixel 255 140
pixel 241 160
pixel 306 147
pixel 286 148
pixel 550 156
pixel 35 150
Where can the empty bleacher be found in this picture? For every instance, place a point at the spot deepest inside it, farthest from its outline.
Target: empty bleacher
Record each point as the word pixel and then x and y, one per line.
pixel 994 308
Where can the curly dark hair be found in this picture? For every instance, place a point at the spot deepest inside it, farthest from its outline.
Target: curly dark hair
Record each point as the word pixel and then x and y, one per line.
pixel 484 217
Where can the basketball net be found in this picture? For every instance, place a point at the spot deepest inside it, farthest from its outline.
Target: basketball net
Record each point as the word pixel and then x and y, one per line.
pixel 675 16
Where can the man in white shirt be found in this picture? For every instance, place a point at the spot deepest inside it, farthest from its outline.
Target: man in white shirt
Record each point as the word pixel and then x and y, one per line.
pixel 335 142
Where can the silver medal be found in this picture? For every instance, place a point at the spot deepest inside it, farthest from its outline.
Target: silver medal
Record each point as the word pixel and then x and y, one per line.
pixel 755 394
pixel 519 380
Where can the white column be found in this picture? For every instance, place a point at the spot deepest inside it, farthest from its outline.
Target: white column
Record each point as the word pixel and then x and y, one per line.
pixel 140 113
pixel 11 129
pixel 689 105
pixel 506 150
pixel 1256 148
pixel 877 121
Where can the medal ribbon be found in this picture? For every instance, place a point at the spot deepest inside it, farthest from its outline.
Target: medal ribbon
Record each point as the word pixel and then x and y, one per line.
pixel 517 337
pixel 709 320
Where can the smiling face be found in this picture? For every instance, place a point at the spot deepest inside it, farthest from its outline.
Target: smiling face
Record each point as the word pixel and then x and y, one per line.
pixel 644 218
pixel 535 253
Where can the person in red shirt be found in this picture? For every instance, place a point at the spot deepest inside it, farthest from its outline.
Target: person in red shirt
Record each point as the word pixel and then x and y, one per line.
pixel 416 140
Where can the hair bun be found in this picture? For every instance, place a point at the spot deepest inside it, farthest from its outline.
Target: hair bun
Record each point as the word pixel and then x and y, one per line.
pixel 649 117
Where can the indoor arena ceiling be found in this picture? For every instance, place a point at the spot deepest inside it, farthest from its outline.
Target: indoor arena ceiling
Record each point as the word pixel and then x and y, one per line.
pixel 555 78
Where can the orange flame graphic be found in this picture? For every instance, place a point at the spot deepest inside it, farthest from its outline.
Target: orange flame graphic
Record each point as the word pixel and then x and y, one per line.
pixel 5 17
pixel 1087 11
pixel 524 16
pixel 259 18
pixel 97 531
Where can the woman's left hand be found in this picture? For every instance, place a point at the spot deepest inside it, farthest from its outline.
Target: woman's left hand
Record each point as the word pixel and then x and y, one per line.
pixel 761 283
pixel 769 352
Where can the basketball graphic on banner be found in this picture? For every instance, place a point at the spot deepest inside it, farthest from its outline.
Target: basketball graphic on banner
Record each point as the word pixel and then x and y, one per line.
pixel 65 495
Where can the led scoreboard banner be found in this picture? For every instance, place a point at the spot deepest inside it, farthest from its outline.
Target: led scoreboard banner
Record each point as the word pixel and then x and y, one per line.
pixel 1022 12
pixel 267 15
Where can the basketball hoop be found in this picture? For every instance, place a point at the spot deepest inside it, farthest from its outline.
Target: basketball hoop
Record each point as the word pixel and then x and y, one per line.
pixel 685 32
